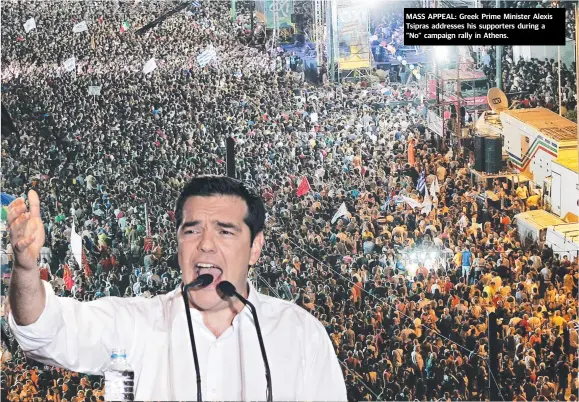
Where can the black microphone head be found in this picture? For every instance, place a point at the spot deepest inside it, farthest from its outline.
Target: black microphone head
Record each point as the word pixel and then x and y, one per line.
pixel 204 280
pixel 201 282
pixel 226 288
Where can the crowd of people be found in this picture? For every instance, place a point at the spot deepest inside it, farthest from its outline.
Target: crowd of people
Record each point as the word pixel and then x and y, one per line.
pixel 534 81
pixel 403 291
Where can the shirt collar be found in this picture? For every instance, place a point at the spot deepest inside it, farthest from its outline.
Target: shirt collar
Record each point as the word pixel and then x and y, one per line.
pixel 175 306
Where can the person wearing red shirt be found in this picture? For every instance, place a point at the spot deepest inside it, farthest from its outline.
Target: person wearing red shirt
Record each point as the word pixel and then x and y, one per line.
pixel 44 270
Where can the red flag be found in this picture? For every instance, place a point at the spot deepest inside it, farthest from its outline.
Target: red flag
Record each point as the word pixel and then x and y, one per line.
pixel 363 171
pixel 304 187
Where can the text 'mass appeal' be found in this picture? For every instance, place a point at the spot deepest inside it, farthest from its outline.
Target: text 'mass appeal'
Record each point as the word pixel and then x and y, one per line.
pixel 498 26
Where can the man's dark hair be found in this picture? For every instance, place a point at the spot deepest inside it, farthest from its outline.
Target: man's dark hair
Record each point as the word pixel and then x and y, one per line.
pixel 207 186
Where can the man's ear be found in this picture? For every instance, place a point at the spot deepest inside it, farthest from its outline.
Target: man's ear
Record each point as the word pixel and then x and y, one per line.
pixel 256 248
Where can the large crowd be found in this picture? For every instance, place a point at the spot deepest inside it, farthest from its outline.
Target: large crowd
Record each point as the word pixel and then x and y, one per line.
pixel 534 81
pixel 403 292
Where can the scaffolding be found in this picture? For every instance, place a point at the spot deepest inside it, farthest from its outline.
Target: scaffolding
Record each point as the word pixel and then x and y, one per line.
pixel 455 93
pixel 348 46
pixel 319 30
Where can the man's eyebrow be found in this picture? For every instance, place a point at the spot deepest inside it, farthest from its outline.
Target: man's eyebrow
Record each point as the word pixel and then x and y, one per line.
pixel 228 225
pixel 221 224
pixel 189 224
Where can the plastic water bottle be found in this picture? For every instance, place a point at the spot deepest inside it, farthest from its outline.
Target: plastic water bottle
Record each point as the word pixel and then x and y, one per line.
pixel 119 378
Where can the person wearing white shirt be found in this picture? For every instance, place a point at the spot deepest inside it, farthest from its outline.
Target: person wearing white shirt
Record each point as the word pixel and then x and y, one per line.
pixel 46 253
pixel 220 232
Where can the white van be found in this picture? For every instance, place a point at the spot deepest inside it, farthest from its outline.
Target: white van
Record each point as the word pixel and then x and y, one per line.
pixel 532 226
pixel 564 240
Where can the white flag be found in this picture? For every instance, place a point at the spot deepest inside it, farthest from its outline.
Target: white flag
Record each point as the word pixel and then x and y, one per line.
pixel 149 66
pixel 206 56
pixel 29 25
pixel 433 192
pixel 342 211
pixel 70 64
pixel 76 246
pixel 94 90
pixel 412 203
pixel 314 117
pixel 319 176
pixel 426 204
pixel 80 27
pixel 433 188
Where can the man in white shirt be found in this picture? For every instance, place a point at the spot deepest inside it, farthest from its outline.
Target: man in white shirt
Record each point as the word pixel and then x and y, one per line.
pixel 220 232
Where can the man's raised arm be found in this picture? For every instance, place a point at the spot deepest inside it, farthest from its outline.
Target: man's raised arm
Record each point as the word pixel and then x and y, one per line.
pixel 27 294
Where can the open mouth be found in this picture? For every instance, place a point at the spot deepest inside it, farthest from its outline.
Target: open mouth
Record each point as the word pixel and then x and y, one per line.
pixel 211 269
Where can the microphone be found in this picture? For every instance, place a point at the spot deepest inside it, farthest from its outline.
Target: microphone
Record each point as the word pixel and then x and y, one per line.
pixel 201 282
pixel 228 290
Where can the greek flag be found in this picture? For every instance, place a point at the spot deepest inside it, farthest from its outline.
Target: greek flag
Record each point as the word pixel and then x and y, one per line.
pixel 206 56
pixel 195 4
pixel 421 185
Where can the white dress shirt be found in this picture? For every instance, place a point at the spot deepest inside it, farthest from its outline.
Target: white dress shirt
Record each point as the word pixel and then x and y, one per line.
pixel 79 336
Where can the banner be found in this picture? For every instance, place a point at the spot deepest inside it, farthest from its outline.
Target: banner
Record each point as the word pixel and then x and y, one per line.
pixel 206 56
pixel 80 27
pixel 29 25
pixel 266 11
pixel 70 64
pixel 149 66
pixel 94 90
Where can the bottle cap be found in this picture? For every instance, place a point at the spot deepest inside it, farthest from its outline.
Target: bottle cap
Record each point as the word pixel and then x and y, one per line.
pixel 117 352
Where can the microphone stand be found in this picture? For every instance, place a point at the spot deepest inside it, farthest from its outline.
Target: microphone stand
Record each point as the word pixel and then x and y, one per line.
pixel 229 290
pixel 201 281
